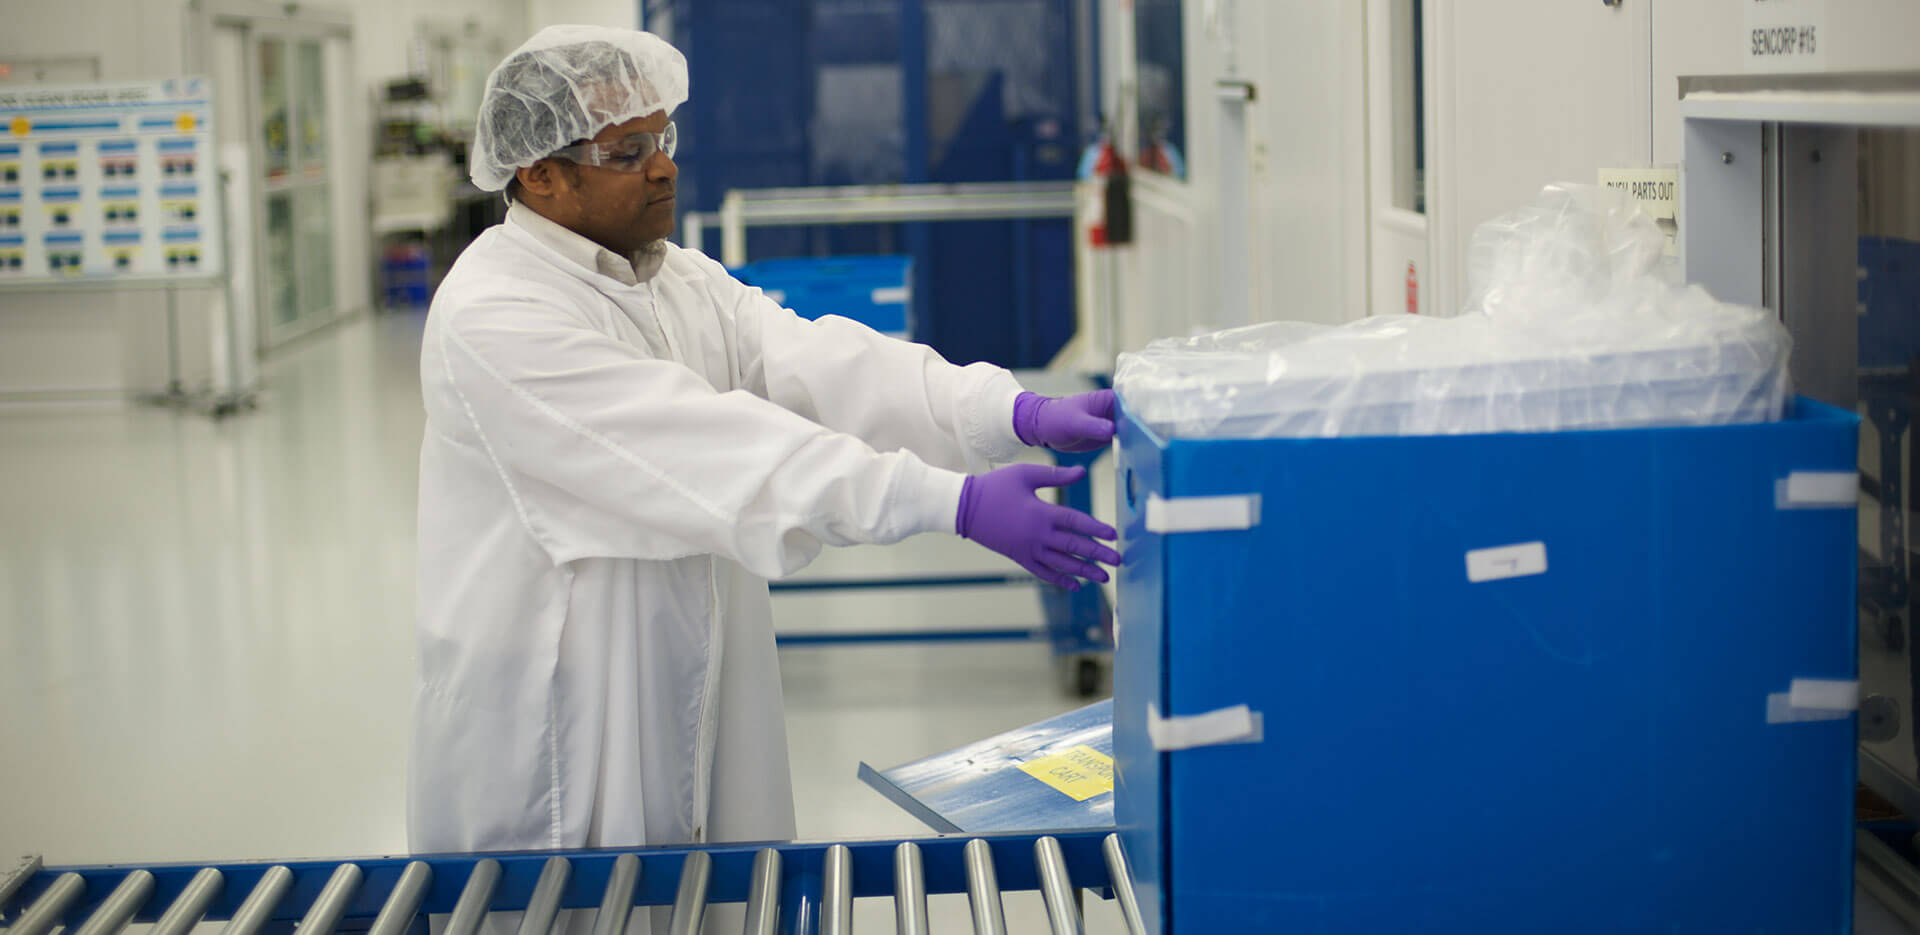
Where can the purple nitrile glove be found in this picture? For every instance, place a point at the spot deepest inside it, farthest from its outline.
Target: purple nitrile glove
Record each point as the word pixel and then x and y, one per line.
pixel 1000 511
pixel 1067 423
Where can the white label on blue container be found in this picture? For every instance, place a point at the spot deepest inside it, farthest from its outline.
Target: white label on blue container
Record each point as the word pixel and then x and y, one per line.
pixel 1782 710
pixel 1824 694
pixel 1507 561
pixel 1813 490
pixel 891 295
pixel 1202 514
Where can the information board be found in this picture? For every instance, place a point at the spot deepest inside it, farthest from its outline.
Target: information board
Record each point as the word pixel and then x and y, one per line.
pixel 109 182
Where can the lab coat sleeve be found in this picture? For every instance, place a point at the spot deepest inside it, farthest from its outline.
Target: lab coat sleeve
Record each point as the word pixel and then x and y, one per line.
pixel 893 394
pixel 608 453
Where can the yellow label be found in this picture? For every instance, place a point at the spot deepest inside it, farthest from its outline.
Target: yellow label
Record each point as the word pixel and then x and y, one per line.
pixel 184 123
pixel 20 126
pixel 1079 773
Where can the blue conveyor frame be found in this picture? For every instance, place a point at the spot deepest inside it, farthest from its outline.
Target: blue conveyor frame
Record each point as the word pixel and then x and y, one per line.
pixel 801 873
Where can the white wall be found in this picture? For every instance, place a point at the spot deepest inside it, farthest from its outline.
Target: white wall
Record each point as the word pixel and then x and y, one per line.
pixel 116 341
pixel 591 12
pixel 95 340
pixel 1307 243
pixel 1521 94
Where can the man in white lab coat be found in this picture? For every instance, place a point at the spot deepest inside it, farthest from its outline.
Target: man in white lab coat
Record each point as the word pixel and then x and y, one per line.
pixel 623 442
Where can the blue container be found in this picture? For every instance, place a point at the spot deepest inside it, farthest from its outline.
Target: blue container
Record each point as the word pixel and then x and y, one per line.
pixel 1584 749
pixel 876 291
pixel 406 276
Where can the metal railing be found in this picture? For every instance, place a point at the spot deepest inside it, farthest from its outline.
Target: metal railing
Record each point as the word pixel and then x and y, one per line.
pixel 742 208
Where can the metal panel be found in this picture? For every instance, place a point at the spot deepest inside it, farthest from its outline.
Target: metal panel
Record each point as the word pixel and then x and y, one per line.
pixel 1723 210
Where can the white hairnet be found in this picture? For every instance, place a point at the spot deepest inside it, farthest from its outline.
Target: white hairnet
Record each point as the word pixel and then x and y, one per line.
pixel 565 84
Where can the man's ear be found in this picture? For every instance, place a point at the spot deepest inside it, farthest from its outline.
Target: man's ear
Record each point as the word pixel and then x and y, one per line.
pixel 540 179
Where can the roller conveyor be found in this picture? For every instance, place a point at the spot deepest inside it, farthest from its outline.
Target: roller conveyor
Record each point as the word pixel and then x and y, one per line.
pixel 803 888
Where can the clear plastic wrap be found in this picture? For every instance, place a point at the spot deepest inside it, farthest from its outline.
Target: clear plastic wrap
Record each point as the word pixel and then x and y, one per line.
pixel 1573 324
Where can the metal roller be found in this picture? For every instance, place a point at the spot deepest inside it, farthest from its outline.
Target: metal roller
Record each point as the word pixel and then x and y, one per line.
pixel 332 904
pixel 1056 888
pixel 11 883
pixel 471 910
pixel 690 903
pixel 544 905
pixel 616 903
pixel 404 902
pixel 983 890
pixel 186 911
pixel 763 901
pixel 836 896
pixel 1122 877
pixel 120 905
pixel 909 890
pixel 260 903
pixel 45 913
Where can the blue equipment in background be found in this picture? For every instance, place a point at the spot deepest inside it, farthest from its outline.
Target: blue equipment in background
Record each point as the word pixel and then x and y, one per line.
pixel 840 92
pixel 1448 742
pixel 876 291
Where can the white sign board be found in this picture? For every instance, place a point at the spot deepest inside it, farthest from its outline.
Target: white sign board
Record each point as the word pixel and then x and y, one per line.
pixel 1784 35
pixel 1658 191
pixel 108 182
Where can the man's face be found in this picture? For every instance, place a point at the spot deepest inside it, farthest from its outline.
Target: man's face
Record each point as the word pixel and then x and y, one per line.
pixel 622 211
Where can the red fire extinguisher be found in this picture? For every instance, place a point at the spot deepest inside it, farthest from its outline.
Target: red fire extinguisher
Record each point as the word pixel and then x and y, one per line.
pixel 1103 163
pixel 1413 291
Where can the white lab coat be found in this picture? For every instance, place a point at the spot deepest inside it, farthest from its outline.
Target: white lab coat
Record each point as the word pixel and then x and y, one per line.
pixel 611 469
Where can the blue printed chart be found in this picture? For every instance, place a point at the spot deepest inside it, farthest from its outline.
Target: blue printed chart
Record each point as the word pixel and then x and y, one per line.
pixel 109 182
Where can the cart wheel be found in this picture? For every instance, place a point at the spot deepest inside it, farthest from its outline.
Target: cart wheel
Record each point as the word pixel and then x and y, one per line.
pixel 1087 676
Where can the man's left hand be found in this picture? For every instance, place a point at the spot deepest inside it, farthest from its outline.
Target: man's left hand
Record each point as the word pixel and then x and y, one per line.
pixel 1069 423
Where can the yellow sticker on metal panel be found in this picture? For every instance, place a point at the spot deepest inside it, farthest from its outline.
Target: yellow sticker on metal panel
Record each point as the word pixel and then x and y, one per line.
pixel 1079 773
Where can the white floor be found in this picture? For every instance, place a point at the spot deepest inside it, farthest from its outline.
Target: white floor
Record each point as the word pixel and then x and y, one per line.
pixel 205 635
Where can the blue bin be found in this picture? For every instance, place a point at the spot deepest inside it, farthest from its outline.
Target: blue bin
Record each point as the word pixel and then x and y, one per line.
pixel 876 291
pixel 1582 743
pixel 406 276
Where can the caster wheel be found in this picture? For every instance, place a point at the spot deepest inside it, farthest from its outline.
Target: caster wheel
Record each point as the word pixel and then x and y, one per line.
pixel 1088 677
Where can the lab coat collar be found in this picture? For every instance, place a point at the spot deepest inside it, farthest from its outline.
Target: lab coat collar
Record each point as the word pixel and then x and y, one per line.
pixel 586 254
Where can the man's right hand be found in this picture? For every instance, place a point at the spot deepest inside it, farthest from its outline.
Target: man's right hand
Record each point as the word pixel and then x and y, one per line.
pixel 1001 511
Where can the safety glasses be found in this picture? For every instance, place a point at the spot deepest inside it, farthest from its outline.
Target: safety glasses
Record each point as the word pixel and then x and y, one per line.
pixel 625 155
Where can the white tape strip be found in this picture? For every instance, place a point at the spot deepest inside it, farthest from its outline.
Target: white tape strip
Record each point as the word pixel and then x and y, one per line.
pixel 1825 694
pixel 891 295
pixel 1238 724
pixel 1814 700
pixel 1507 561
pixel 1202 514
pixel 1817 490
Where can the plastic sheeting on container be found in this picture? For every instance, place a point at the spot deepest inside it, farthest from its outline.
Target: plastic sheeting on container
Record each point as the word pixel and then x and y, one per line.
pixel 1573 324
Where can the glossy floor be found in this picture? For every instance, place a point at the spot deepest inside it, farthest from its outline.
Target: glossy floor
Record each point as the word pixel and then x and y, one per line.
pixel 205 635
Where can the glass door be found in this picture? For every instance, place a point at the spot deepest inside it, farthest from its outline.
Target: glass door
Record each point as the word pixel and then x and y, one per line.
pixel 296 263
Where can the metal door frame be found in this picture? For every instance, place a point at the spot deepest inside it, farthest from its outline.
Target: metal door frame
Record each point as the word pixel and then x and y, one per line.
pixel 1765 157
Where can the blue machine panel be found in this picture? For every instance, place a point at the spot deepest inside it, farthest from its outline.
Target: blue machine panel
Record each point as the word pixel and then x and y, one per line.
pixel 1585 749
pixel 840 92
